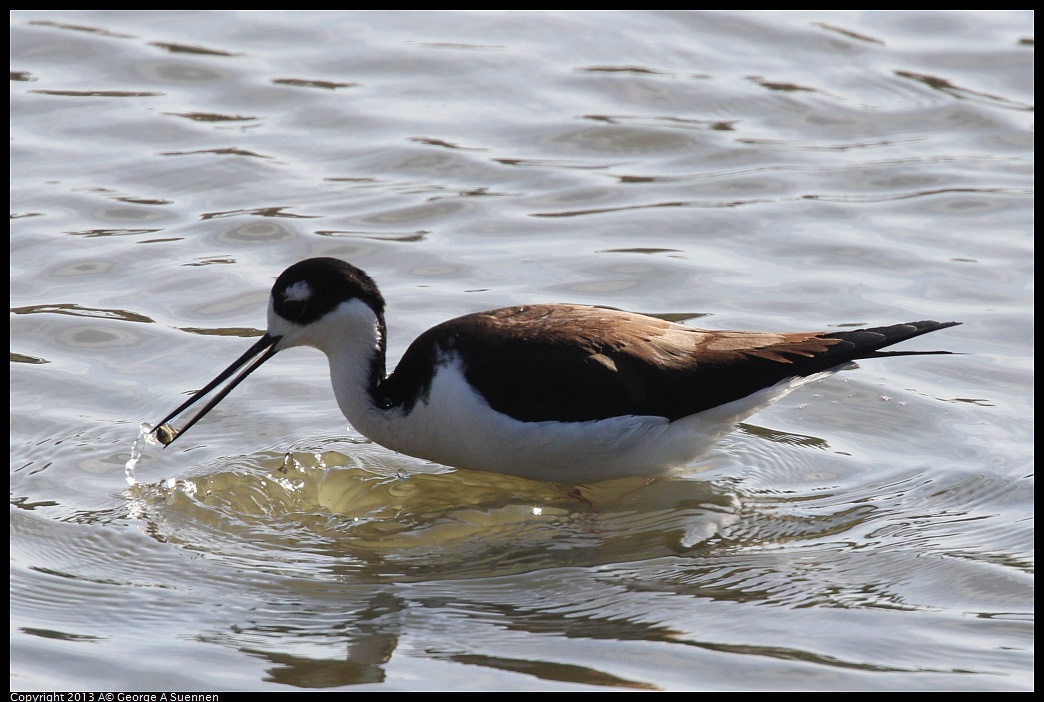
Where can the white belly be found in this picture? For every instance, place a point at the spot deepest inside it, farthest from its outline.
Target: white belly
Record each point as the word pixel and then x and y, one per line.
pixel 455 426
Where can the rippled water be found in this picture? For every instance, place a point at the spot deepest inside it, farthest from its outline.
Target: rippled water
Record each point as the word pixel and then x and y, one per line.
pixel 775 171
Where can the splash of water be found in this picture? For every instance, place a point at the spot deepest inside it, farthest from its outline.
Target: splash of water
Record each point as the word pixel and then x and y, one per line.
pixel 146 435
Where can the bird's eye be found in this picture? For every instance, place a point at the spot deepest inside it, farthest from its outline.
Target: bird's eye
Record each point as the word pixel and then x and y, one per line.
pixel 293 309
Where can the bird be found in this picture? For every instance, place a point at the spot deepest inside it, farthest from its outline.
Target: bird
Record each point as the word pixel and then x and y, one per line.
pixel 562 393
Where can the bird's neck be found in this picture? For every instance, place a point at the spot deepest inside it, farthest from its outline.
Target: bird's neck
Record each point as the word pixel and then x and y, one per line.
pixel 353 337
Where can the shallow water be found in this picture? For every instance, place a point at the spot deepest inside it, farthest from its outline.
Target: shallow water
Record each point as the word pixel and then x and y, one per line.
pixel 775 171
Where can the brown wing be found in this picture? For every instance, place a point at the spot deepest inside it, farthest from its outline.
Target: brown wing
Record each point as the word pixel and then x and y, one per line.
pixel 576 363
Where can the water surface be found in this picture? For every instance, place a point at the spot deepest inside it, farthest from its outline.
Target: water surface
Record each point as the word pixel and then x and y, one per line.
pixel 777 171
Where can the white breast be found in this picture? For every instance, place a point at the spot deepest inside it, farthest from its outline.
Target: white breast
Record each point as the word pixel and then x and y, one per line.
pixel 455 426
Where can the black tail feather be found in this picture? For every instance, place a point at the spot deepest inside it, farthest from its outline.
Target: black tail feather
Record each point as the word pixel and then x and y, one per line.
pixel 866 343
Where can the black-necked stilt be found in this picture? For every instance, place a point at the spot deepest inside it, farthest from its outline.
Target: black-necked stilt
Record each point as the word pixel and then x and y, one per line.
pixel 565 393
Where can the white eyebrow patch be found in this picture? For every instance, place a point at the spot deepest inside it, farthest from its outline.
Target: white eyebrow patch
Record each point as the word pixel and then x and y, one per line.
pixel 299 291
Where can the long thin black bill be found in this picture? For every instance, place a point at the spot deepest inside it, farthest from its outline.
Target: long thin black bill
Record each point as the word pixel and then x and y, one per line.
pixel 257 354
